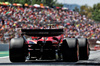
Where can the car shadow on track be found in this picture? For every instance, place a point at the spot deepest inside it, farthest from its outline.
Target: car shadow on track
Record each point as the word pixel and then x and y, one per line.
pixel 47 63
pixel 40 63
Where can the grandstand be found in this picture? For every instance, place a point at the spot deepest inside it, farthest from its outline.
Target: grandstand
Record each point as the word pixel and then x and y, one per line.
pixel 12 19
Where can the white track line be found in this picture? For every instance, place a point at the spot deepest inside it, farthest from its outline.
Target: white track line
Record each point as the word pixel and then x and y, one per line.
pixel 4 57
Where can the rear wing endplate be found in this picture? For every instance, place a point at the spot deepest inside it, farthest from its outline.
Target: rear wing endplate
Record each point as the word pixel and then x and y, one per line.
pixel 42 32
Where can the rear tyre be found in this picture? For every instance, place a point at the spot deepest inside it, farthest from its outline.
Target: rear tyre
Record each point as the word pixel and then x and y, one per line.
pixel 83 49
pixel 16 50
pixel 70 50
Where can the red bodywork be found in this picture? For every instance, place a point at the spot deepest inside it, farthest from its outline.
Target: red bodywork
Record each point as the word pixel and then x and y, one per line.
pixel 36 39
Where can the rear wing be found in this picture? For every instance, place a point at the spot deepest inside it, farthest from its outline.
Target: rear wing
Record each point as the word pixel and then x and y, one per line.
pixel 42 32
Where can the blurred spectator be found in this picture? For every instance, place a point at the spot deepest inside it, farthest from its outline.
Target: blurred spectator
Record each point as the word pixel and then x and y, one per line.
pixel 12 19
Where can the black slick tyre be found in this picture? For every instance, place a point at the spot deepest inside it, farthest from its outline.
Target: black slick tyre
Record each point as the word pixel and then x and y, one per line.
pixel 83 49
pixel 70 50
pixel 16 50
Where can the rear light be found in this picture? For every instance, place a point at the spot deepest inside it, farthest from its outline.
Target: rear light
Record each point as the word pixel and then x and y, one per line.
pixel 29 45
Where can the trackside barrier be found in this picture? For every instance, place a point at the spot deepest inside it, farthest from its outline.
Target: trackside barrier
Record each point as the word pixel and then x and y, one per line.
pixel 92 43
pixel 4 47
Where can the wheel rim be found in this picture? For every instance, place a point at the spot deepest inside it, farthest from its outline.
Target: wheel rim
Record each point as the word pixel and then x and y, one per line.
pixel 87 50
pixel 77 51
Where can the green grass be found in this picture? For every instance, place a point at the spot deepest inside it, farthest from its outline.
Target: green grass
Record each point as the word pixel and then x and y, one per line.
pixel 4 53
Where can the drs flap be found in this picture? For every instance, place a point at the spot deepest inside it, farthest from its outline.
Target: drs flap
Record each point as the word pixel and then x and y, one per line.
pixel 42 32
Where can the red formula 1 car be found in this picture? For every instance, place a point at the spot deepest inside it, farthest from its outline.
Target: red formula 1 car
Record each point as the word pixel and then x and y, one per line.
pixel 47 44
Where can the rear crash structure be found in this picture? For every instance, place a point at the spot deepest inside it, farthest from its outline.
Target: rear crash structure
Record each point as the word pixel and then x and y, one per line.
pixel 65 49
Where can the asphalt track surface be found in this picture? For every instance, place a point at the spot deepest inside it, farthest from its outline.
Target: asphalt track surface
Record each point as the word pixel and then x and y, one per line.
pixel 94 60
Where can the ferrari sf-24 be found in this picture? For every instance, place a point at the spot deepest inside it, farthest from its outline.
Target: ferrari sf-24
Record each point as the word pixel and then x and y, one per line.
pixel 47 44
